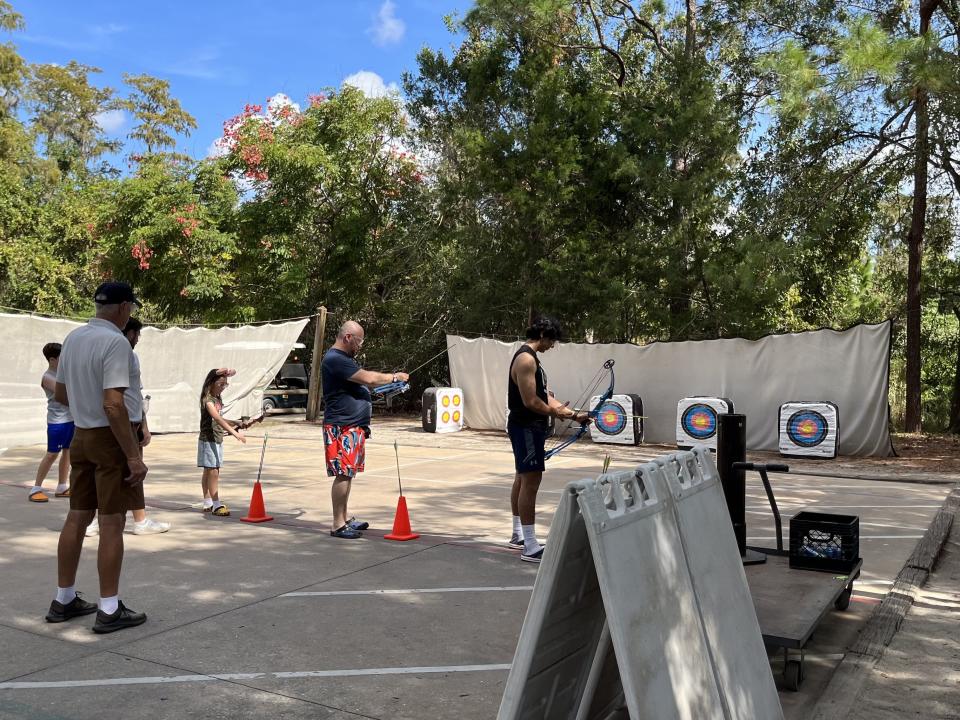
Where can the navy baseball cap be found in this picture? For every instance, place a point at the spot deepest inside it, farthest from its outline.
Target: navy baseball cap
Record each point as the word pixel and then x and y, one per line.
pixel 114 293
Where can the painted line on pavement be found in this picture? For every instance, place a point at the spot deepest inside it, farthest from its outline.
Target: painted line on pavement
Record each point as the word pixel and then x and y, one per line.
pixel 409 591
pixel 43 685
pixel 862 537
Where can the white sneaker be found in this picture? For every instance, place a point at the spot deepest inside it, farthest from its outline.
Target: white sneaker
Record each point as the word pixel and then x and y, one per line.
pixel 150 527
pixel 93 529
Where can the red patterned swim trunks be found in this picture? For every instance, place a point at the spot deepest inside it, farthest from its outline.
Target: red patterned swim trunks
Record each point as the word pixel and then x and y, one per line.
pixel 344 448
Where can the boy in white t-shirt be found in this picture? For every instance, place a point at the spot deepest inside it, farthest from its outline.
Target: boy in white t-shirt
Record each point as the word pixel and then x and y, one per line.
pixel 59 432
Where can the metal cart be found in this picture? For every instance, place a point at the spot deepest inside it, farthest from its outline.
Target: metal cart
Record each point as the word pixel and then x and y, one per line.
pixel 791 603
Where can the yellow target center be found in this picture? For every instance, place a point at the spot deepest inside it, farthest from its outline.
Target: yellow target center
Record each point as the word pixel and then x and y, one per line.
pixel 446 417
pixel 456 416
pixel 456 400
pixel 445 401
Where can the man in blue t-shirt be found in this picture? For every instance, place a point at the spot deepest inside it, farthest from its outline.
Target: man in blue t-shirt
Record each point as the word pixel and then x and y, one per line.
pixel 346 420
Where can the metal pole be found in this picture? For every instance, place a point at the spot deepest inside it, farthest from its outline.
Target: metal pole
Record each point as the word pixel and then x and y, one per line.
pixel 732 448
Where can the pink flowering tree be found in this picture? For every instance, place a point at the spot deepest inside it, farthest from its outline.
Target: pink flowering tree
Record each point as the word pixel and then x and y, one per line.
pixel 334 205
pixel 167 229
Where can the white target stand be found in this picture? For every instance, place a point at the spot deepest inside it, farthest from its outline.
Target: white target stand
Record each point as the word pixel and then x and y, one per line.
pixel 618 420
pixel 442 410
pixel 809 429
pixel 697 422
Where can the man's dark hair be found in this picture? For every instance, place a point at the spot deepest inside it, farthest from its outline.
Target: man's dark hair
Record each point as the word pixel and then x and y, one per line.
pixel 545 327
pixel 52 350
pixel 133 325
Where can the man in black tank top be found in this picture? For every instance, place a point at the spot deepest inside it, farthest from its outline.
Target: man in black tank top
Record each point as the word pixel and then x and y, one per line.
pixel 530 405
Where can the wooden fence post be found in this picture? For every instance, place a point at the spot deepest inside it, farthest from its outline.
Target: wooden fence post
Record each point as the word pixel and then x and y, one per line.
pixel 313 394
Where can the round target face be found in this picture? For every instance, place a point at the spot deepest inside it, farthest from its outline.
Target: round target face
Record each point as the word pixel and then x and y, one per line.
pixel 611 418
pixel 456 416
pixel 807 428
pixel 699 421
pixel 456 400
pixel 445 417
pixel 446 401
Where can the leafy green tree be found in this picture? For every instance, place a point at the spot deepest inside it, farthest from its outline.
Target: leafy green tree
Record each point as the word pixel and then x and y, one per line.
pixel 164 230
pixel 333 205
pixel 158 116
pixel 64 108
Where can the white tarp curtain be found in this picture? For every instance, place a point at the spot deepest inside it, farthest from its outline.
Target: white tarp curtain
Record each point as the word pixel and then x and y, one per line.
pixel 849 368
pixel 173 363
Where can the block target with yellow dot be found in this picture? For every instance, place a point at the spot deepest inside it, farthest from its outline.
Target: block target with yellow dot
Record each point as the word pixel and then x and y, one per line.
pixel 697 421
pixel 442 410
pixel 809 429
pixel 619 420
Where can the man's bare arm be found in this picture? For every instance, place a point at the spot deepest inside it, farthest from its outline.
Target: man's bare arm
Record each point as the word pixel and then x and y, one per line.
pixel 120 425
pixel 524 373
pixel 60 394
pixel 373 379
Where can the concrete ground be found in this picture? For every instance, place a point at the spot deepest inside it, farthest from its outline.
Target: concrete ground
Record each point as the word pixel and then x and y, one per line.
pixel 282 620
pixel 919 673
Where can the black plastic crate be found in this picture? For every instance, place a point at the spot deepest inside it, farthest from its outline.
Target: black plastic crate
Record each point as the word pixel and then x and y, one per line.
pixel 824 541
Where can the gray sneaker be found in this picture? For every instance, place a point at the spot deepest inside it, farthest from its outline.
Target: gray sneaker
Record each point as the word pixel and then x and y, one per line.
pixel 93 529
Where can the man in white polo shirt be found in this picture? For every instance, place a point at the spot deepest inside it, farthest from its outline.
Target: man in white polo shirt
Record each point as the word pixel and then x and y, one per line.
pixel 107 473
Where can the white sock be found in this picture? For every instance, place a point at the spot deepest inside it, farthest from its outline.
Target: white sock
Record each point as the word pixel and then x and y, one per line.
pixel 109 605
pixel 35 489
pixel 517 527
pixel 217 504
pixel 530 544
pixel 66 595
pixel 62 488
pixel 208 502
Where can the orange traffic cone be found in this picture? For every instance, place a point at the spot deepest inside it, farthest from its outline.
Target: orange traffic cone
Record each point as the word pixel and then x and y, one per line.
pixel 257 512
pixel 401 523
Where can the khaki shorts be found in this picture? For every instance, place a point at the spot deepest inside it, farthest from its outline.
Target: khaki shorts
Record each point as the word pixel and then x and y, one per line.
pixel 98 467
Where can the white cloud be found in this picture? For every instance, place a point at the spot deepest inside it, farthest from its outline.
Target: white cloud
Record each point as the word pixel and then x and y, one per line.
pixel 276 105
pixel 108 29
pixel 218 148
pixel 371 84
pixel 387 28
pixel 110 121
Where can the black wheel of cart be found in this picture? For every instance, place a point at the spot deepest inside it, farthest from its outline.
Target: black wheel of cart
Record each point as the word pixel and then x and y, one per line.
pixel 793 675
pixel 843 602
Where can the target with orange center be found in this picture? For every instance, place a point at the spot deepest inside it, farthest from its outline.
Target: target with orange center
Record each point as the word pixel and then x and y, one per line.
pixel 699 421
pixel 611 418
pixel 807 428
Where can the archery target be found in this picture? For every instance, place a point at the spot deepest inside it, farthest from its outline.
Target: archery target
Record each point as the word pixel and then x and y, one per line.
pixel 442 410
pixel 809 429
pixel 618 420
pixel 697 421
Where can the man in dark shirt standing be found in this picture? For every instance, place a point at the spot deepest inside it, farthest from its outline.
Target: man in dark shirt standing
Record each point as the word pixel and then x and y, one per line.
pixel 346 420
pixel 530 405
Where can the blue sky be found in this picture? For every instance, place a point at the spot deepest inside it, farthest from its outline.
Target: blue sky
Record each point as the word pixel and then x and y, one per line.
pixel 220 55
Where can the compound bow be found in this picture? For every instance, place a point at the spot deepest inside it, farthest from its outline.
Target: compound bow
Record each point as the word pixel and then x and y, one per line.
pixel 591 414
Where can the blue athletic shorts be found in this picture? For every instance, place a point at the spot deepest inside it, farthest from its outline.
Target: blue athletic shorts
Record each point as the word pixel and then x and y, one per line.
pixel 527 442
pixel 59 436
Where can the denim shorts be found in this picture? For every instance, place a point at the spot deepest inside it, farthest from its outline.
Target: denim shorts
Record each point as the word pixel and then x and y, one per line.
pixel 209 454
pixel 527 442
